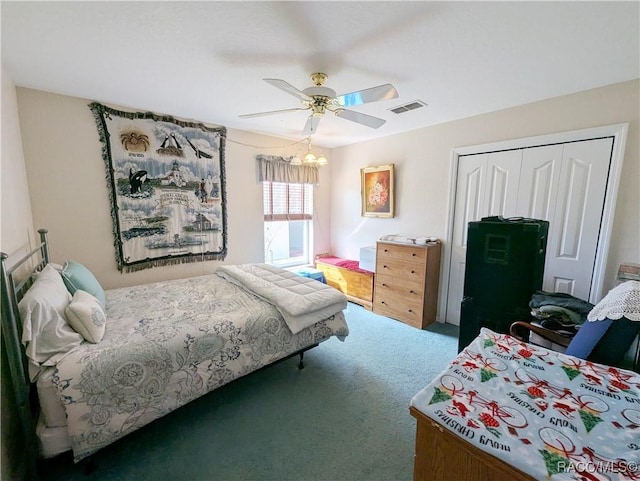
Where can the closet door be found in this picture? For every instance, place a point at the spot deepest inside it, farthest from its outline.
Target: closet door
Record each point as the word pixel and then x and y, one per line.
pixel 563 183
pixel 503 177
pixel 487 184
pixel 470 206
pixel 575 222
pixel 539 177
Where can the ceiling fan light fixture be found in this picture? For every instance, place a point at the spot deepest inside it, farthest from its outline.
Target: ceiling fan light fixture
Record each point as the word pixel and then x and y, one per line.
pixel 311 159
pixel 319 99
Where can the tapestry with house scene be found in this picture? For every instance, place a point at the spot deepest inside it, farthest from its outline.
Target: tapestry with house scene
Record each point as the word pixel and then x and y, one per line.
pixel 166 182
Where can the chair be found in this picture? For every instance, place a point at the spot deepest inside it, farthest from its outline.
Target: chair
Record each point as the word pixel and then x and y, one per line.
pixel 609 333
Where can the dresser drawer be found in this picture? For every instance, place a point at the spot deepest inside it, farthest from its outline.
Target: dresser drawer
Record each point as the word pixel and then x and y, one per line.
pixel 409 271
pixel 401 310
pixel 404 252
pixel 388 285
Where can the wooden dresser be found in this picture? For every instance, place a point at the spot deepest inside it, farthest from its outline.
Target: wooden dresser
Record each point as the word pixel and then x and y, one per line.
pixel 406 282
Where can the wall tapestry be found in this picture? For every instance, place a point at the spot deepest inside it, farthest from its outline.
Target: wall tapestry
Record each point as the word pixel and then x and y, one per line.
pixel 166 186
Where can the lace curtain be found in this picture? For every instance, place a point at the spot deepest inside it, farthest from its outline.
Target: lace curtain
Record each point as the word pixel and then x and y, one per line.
pixel 272 168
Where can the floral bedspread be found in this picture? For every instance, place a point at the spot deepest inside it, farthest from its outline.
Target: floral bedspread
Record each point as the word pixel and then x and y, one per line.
pixel 166 344
pixel 552 416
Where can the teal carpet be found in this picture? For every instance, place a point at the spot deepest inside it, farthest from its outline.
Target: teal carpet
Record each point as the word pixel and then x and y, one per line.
pixel 345 417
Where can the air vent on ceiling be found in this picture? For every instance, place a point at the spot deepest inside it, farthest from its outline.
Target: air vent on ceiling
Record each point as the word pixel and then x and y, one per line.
pixel 407 107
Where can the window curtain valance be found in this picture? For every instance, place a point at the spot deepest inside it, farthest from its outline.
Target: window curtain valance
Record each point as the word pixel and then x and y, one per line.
pixel 272 168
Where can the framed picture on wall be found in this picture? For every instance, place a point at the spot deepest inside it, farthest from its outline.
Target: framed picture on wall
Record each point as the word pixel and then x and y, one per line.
pixel 377 188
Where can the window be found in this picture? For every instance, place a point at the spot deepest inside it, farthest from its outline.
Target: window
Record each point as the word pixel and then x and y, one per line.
pixel 288 224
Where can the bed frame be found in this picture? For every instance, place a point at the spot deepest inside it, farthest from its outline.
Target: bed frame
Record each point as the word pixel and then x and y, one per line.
pixel 16 279
pixel 15 282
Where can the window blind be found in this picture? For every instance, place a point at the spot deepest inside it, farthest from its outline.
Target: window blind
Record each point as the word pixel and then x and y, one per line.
pixel 283 201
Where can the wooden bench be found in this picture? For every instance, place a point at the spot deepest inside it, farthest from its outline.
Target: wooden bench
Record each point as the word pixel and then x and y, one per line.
pixel 347 277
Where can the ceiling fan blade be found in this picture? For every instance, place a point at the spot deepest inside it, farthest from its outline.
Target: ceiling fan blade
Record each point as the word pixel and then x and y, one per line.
pixel 312 125
pixel 364 119
pixel 272 112
pixel 287 87
pixel 373 94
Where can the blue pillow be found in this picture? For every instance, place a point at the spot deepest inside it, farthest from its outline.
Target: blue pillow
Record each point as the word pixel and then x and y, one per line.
pixel 587 337
pixel 76 276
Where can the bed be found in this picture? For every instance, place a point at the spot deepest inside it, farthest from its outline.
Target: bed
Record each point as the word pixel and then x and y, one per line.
pixel 507 410
pixel 161 345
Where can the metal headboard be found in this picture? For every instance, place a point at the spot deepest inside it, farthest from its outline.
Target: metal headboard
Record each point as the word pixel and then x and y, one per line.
pixel 13 290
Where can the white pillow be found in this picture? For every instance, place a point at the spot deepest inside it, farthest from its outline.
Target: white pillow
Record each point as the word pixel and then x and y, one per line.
pixel 86 316
pixel 50 286
pixel 45 331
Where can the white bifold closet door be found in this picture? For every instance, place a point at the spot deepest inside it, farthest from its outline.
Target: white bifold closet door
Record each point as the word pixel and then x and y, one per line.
pixel 562 183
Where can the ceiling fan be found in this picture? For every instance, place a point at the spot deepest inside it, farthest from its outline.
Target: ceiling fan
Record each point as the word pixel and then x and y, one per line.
pixel 320 99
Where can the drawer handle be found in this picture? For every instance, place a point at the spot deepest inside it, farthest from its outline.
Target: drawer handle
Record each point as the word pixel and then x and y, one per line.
pixel 382 302
pixel 410 292
pixel 413 272
pixel 384 285
pixel 409 310
pixel 385 267
pixel 414 254
pixel 386 250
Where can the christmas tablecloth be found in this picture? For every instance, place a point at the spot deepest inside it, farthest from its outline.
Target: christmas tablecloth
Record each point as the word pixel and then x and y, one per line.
pixel 550 415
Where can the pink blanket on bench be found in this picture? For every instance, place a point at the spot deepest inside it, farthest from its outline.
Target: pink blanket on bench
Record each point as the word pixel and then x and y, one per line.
pixel 344 263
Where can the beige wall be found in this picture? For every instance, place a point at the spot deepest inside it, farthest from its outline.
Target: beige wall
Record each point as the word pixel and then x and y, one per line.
pixel 69 192
pixel 16 237
pixel 16 223
pixel 423 168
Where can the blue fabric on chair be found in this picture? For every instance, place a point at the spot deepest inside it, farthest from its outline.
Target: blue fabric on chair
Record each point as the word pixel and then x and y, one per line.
pixel 615 343
pixel 604 342
pixel 587 337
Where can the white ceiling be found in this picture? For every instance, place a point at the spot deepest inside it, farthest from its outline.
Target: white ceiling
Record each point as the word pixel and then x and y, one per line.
pixel 206 60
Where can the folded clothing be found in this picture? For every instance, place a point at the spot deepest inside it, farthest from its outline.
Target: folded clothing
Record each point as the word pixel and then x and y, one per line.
pixel 561 315
pixel 560 299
